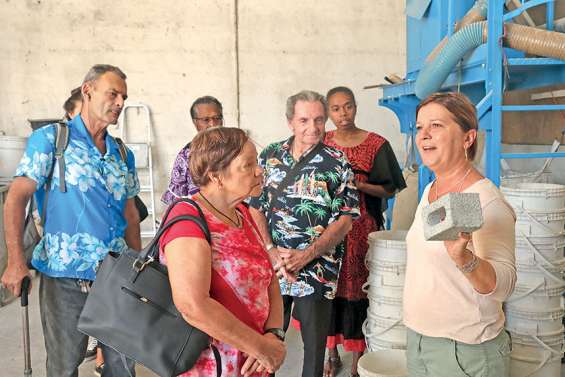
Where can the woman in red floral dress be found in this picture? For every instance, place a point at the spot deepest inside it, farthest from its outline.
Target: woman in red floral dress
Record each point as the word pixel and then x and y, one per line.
pixel 377 177
pixel 228 288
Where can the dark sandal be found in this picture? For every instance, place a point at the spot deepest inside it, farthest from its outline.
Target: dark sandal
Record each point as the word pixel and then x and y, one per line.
pixel 332 366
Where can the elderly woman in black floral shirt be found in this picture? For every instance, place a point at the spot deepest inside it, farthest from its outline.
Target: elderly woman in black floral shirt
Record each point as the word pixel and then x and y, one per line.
pixel 304 212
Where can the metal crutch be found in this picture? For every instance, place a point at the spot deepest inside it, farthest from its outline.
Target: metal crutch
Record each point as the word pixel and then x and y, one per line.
pixel 25 325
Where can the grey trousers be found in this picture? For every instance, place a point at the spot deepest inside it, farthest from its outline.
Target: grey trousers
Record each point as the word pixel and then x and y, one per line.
pixel 60 302
pixel 442 357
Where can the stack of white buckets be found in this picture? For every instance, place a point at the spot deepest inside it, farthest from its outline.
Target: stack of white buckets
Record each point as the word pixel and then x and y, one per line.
pixel 534 312
pixel 386 261
pixel 11 151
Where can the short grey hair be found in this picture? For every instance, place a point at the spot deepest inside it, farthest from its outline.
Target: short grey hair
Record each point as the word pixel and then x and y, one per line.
pixel 306 96
pixel 99 69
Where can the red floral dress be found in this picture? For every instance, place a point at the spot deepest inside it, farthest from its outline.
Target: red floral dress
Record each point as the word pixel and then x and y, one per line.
pixel 239 257
pixel 350 304
pixel 353 273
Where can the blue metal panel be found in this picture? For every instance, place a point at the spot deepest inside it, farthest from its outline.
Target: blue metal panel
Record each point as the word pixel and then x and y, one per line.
pixel 529 76
pixel 417 8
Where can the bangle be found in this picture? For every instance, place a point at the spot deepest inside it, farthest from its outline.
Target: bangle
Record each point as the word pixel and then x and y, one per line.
pixel 469 266
pixel 269 246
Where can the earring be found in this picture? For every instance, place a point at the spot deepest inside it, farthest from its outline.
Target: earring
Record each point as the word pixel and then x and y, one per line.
pixel 466 155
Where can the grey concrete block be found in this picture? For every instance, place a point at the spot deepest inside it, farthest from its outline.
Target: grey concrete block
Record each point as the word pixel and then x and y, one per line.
pixel 451 214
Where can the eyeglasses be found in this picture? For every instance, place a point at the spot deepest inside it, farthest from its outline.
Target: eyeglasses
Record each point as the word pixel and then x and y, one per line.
pixel 215 119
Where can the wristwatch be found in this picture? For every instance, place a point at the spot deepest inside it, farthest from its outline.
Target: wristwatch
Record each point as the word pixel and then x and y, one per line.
pixel 279 333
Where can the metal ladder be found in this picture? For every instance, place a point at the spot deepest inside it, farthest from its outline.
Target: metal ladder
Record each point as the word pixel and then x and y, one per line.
pixel 143 162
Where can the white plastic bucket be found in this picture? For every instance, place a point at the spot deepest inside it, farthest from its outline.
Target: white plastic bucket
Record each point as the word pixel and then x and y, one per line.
pixel 387 246
pixel 535 196
pixel 540 223
pixel 535 347
pixel 531 275
pixel 386 276
pixel 375 344
pixel 377 285
pixel 387 363
pixel 11 151
pixel 536 298
pixel 528 367
pixel 385 329
pixel 515 177
pixel 533 250
pixel 536 356
pixel 387 307
pixel 539 323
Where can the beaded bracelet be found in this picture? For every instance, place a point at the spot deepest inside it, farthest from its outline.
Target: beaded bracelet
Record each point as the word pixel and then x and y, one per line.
pixel 469 266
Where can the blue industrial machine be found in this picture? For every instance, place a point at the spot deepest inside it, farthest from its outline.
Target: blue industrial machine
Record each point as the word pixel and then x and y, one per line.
pixel 483 70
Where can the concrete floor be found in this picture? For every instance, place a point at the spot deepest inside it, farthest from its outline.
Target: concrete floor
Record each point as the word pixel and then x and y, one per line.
pixel 11 350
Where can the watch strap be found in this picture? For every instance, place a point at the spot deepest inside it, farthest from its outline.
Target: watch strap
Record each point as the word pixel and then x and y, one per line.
pixel 276 331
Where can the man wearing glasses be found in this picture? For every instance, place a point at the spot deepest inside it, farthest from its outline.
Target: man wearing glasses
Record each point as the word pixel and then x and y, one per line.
pixel 205 112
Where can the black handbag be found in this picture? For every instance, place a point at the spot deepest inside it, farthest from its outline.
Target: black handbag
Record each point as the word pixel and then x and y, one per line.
pixel 141 208
pixel 130 308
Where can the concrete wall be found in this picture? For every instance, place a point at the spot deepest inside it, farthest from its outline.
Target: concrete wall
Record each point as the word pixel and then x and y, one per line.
pixel 174 52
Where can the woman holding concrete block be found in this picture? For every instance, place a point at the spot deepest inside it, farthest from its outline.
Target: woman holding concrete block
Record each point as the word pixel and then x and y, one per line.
pixel 454 289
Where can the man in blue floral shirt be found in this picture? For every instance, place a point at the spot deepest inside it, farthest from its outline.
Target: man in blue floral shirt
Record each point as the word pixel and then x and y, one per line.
pixel 308 202
pixel 94 215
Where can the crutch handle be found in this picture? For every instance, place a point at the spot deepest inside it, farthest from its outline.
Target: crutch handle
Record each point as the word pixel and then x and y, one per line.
pixel 25 290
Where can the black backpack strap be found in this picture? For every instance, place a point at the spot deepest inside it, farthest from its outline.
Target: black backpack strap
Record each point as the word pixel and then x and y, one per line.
pixel 61 142
pixel 122 149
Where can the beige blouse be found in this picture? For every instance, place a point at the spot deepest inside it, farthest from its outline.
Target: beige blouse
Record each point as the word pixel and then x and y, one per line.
pixel 439 301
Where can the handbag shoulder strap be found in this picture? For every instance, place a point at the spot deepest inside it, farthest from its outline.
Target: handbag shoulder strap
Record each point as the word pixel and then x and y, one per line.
pixel 290 175
pixel 152 250
pixel 181 200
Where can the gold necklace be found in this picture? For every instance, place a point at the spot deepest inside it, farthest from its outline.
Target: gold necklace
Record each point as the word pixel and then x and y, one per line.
pixel 237 224
pixel 459 182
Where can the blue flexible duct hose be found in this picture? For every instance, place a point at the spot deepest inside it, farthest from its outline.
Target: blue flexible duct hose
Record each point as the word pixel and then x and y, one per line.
pixel 435 72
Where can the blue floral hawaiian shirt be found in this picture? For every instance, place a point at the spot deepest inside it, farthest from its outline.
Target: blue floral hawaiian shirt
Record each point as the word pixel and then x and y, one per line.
pixel 321 192
pixel 85 222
